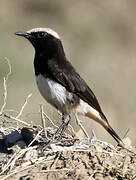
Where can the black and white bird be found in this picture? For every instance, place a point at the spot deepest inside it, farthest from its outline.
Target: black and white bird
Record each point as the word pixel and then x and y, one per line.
pixel 58 81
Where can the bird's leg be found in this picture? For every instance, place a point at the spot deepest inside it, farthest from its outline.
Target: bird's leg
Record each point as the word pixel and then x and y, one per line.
pixel 61 129
pixel 78 121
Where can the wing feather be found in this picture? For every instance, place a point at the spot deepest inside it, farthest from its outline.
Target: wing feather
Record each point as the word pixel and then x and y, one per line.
pixel 66 75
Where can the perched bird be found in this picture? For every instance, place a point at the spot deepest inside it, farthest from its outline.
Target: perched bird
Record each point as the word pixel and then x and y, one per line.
pixel 59 83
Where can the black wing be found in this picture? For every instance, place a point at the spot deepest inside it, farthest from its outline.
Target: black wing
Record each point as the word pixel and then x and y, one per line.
pixel 65 74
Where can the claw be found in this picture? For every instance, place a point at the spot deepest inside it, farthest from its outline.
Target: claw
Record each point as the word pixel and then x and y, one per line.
pixel 62 128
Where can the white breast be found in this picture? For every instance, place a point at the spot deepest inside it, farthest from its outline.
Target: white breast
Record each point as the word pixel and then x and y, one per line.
pixel 53 92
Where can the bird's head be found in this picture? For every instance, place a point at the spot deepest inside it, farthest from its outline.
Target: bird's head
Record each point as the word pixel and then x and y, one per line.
pixel 42 39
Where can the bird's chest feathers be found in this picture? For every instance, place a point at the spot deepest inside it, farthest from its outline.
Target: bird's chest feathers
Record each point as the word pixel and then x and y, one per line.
pixel 52 91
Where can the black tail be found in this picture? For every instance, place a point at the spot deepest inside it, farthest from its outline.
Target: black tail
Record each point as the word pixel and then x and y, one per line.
pixel 114 135
pixel 111 131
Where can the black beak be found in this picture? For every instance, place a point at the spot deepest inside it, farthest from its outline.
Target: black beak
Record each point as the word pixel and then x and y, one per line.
pixel 23 34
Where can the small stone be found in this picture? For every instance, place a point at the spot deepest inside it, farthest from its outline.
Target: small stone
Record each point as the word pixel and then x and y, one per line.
pixel 31 155
pixel 21 144
pixel 12 138
pixel 127 142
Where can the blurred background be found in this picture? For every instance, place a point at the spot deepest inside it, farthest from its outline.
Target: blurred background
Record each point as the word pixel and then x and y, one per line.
pixel 99 38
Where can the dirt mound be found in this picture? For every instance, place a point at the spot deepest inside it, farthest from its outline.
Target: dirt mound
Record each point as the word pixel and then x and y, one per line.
pixel 29 154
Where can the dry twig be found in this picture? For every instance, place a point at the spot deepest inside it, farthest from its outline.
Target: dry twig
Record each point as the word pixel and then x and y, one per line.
pixel 80 125
pixel 49 119
pixel 5 87
pixel 16 119
pixel 43 120
pixel 55 160
pixel 126 133
pixel 35 137
pixel 8 164
pixel 22 108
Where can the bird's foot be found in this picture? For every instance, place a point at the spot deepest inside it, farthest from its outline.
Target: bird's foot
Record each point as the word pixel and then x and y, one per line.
pixel 59 132
pixel 61 129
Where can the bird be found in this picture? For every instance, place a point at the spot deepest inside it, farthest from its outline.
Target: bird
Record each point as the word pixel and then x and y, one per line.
pixel 59 83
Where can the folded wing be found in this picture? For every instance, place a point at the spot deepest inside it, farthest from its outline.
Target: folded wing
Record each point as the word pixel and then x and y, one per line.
pixel 66 75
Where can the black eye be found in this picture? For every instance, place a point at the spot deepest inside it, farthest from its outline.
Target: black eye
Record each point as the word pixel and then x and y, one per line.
pixel 41 34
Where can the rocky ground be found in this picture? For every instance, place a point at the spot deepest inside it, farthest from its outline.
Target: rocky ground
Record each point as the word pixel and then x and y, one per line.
pixel 28 154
